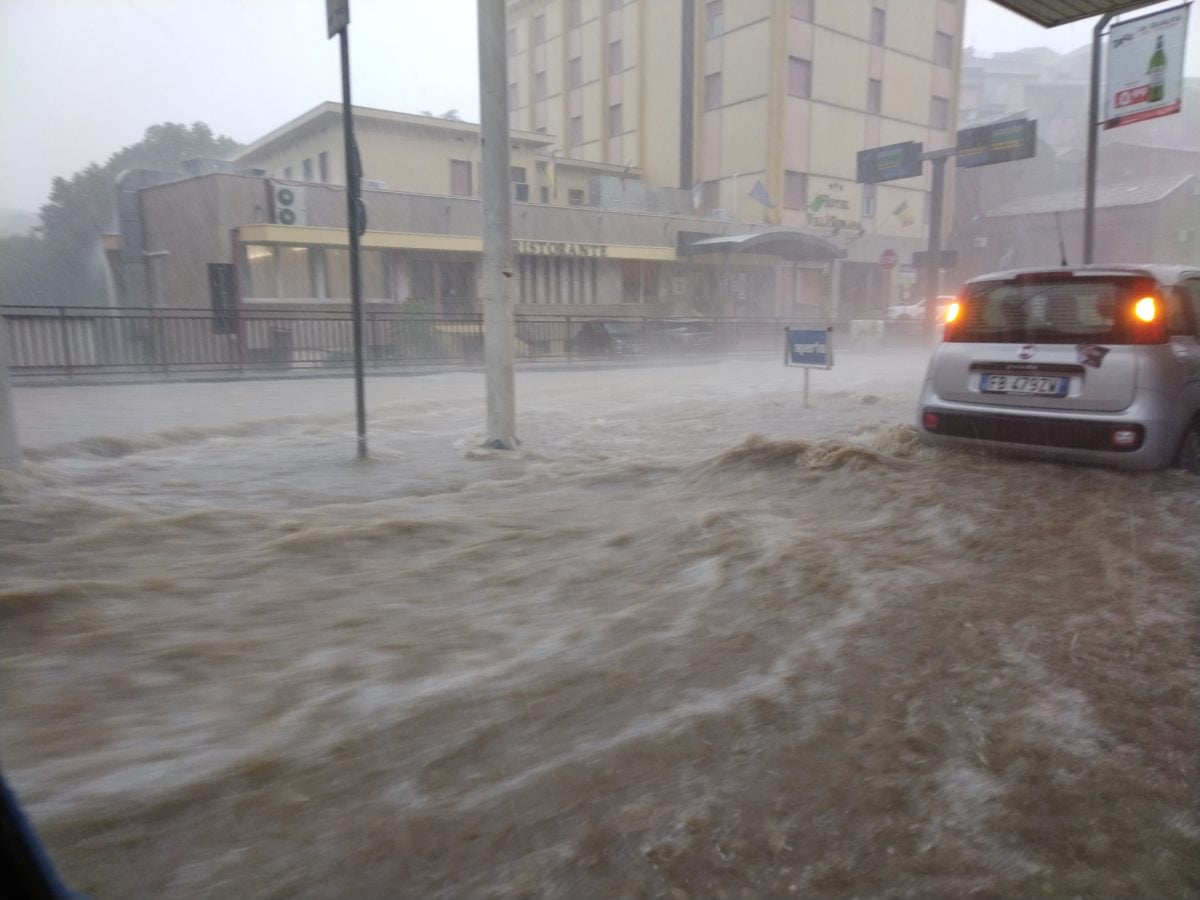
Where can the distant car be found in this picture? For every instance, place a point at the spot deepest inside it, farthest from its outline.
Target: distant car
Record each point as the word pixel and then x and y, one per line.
pixel 678 336
pixel 609 338
pixel 1094 364
pixel 916 311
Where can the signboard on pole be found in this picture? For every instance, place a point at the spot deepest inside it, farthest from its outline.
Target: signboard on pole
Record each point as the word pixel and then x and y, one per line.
pixel 889 163
pixel 997 143
pixel 812 348
pixel 337 15
pixel 1145 67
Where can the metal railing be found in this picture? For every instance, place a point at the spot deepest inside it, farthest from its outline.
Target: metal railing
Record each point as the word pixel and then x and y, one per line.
pixel 80 341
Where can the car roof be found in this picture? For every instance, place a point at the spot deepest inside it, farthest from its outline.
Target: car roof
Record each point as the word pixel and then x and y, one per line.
pixel 1163 274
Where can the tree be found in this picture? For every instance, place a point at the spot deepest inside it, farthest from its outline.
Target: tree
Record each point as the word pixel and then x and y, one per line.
pixel 64 265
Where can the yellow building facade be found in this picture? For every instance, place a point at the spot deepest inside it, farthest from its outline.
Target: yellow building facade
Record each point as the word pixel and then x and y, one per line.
pixel 758 106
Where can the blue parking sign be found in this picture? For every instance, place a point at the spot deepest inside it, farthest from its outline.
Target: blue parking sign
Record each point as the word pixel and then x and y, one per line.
pixel 812 348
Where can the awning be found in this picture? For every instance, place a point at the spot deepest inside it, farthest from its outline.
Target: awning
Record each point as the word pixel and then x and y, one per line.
pixel 792 245
pixel 1049 13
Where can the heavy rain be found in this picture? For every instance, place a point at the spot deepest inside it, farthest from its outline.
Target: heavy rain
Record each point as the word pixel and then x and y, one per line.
pixel 713 623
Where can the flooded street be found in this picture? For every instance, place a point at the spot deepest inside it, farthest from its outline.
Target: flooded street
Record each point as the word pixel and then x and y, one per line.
pixel 692 640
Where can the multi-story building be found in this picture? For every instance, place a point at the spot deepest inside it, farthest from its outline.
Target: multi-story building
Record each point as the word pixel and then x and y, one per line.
pixel 759 106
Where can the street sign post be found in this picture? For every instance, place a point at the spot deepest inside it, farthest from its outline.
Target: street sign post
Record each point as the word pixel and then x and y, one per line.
pixel 337 13
pixel 997 143
pixel 889 163
pixel 808 348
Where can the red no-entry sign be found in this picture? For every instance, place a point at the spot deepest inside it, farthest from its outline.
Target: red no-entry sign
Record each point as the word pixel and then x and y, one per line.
pixel 888 259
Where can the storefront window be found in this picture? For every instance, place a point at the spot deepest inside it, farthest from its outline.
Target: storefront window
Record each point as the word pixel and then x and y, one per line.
pixel 337 273
pixel 258 276
pixel 294 273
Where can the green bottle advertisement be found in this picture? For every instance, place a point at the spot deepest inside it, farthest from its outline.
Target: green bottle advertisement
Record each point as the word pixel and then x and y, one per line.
pixel 1157 72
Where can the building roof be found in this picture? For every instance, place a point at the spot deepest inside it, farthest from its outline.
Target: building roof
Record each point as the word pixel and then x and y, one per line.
pixel 1049 13
pixel 329 115
pixel 1131 193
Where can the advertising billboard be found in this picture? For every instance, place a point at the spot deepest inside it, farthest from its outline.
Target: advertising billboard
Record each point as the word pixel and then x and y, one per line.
pixel 1145 67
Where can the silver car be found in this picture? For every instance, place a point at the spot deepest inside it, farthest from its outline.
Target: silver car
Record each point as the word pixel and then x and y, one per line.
pixel 1094 364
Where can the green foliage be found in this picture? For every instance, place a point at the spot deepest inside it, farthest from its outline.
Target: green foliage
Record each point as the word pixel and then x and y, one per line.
pixel 63 266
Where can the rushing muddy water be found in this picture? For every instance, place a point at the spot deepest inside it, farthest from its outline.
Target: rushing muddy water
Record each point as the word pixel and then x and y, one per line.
pixel 693 640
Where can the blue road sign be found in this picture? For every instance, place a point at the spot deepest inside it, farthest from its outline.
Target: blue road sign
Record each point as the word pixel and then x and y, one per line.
pixel 812 348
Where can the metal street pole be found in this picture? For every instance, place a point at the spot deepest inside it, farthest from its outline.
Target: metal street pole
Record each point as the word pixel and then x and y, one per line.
pixel 338 12
pixel 1093 140
pixel 933 259
pixel 10 448
pixel 497 272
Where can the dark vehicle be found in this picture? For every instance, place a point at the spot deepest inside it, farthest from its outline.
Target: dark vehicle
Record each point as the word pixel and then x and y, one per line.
pixel 609 338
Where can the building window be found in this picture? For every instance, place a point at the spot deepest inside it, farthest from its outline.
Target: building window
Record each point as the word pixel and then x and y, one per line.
pixel 710 196
pixel 943 50
pixel 802 10
pixel 544 193
pixel 576 134
pixel 520 184
pixel 799 77
pixel 878 26
pixel 614 120
pixel 512 42
pixel 572 13
pixel 575 73
pixel 517 173
pixel 714 18
pixel 868 201
pixel 712 91
pixel 539 86
pixel 939 113
pixel 795 190
pixel 307 168
pixel 287 172
pixel 460 178
pixel 512 96
pixel 874 96
pixel 615 58
pixel 323 166
pixel 639 282
pixel 537 35
pixel 575 196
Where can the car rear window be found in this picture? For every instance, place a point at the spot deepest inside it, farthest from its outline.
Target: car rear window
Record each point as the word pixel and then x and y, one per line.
pixel 1050 309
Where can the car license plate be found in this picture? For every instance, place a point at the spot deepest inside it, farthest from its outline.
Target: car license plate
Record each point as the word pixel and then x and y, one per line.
pixel 1028 385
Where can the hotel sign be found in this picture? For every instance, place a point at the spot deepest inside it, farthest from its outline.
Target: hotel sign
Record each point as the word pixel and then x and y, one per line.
pixel 559 248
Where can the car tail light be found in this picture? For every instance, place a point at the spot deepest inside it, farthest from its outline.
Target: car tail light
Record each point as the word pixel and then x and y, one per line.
pixel 1148 325
pixel 929 420
pixel 952 311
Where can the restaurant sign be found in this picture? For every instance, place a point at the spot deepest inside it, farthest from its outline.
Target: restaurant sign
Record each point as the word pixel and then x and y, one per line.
pixel 559 248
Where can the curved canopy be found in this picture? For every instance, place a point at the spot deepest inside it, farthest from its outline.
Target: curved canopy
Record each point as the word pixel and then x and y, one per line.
pixel 792 245
pixel 1049 13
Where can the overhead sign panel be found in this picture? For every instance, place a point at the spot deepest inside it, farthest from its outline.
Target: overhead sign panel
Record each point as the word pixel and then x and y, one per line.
pixel 997 143
pixel 889 163
pixel 1145 67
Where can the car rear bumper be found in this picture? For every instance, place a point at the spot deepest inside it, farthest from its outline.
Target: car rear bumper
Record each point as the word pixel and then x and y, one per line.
pixel 1078 437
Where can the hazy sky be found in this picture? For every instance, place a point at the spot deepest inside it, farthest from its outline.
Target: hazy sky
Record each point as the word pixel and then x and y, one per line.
pixel 80 79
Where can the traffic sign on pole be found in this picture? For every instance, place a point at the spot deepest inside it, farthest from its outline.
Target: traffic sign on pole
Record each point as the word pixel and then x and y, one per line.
pixel 889 163
pixel 888 259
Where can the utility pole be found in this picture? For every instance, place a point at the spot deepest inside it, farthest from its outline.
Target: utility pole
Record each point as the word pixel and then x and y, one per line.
pixel 933 259
pixel 497 273
pixel 338 16
pixel 10 448
pixel 1093 141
